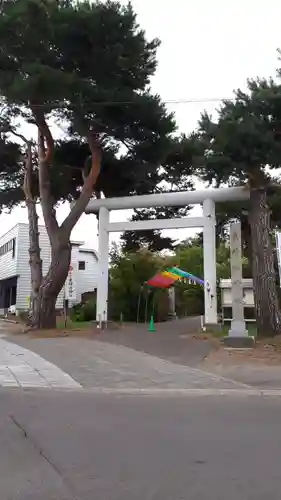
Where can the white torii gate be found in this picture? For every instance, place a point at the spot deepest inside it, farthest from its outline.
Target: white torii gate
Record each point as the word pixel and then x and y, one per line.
pixel 207 197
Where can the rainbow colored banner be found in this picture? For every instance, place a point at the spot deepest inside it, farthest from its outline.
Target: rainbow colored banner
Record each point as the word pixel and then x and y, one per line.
pixel 169 277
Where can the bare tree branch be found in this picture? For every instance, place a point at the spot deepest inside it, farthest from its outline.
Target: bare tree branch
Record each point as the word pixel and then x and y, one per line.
pixel 7 127
pixel 45 191
pixel 27 183
pixel 45 155
pixel 90 180
pixel 24 139
pixel 45 133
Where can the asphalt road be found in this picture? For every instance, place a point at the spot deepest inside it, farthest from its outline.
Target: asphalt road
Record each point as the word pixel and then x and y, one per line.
pixel 77 445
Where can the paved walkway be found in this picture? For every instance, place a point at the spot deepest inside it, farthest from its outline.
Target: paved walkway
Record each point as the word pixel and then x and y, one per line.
pixel 168 361
pixel 21 367
pixel 100 365
pixel 172 340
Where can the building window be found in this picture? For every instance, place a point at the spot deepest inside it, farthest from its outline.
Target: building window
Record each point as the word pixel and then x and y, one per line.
pixel 81 265
pixel 14 248
pixel 10 246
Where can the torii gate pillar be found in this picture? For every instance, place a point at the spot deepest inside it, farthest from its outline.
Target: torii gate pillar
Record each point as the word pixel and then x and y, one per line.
pixel 102 291
pixel 210 264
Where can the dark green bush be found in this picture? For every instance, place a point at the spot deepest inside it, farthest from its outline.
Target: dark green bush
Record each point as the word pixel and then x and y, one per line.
pixel 76 312
pixel 84 311
pixel 89 310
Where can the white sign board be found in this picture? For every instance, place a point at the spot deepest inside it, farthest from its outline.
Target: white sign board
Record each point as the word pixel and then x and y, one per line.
pixel 70 285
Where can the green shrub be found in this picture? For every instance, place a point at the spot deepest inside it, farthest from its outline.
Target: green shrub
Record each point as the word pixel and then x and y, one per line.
pixel 89 310
pixel 76 312
pixel 84 311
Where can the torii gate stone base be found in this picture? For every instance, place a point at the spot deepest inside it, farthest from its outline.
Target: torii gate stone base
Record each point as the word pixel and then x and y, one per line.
pixel 207 197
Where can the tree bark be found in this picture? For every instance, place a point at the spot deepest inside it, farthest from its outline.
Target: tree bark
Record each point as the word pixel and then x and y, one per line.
pixel 267 307
pixel 35 261
pixel 247 245
pixel 44 307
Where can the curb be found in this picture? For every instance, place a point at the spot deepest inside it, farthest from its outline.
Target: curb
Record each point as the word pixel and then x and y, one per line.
pixel 100 391
pixel 186 392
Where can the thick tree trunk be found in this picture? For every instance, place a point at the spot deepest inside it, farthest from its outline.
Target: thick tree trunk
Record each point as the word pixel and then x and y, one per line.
pixel 265 292
pixel 247 246
pixel 44 310
pixel 35 261
pixel 246 238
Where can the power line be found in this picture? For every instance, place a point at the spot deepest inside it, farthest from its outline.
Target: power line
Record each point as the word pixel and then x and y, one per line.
pixel 199 100
pixel 124 103
pixel 168 101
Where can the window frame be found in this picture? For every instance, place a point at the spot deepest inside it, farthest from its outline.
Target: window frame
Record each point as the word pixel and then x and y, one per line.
pixel 83 262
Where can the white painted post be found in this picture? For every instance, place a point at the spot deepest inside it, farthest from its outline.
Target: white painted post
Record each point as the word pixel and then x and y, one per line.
pixel 102 291
pixel 210 271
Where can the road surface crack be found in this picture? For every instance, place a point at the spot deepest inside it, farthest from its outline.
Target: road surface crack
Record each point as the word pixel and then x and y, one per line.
pixel 68 484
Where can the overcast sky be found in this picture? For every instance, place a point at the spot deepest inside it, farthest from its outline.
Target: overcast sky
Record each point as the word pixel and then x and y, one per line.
pixel 208 49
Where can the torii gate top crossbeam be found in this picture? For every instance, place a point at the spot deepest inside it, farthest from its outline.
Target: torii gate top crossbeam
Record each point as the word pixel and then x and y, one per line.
pixel 177 198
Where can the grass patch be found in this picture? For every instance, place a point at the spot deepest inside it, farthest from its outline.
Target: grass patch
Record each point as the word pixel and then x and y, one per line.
pixel 73 325
pixel 222 331
pixel 251 327
pixel 81 329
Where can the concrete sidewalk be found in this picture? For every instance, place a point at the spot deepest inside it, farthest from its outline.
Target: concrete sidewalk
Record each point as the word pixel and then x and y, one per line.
pixel 166 360
pixel 99 365
pixel 20 367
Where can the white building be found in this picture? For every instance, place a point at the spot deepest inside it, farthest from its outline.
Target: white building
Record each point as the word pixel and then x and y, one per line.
pixel 15 270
